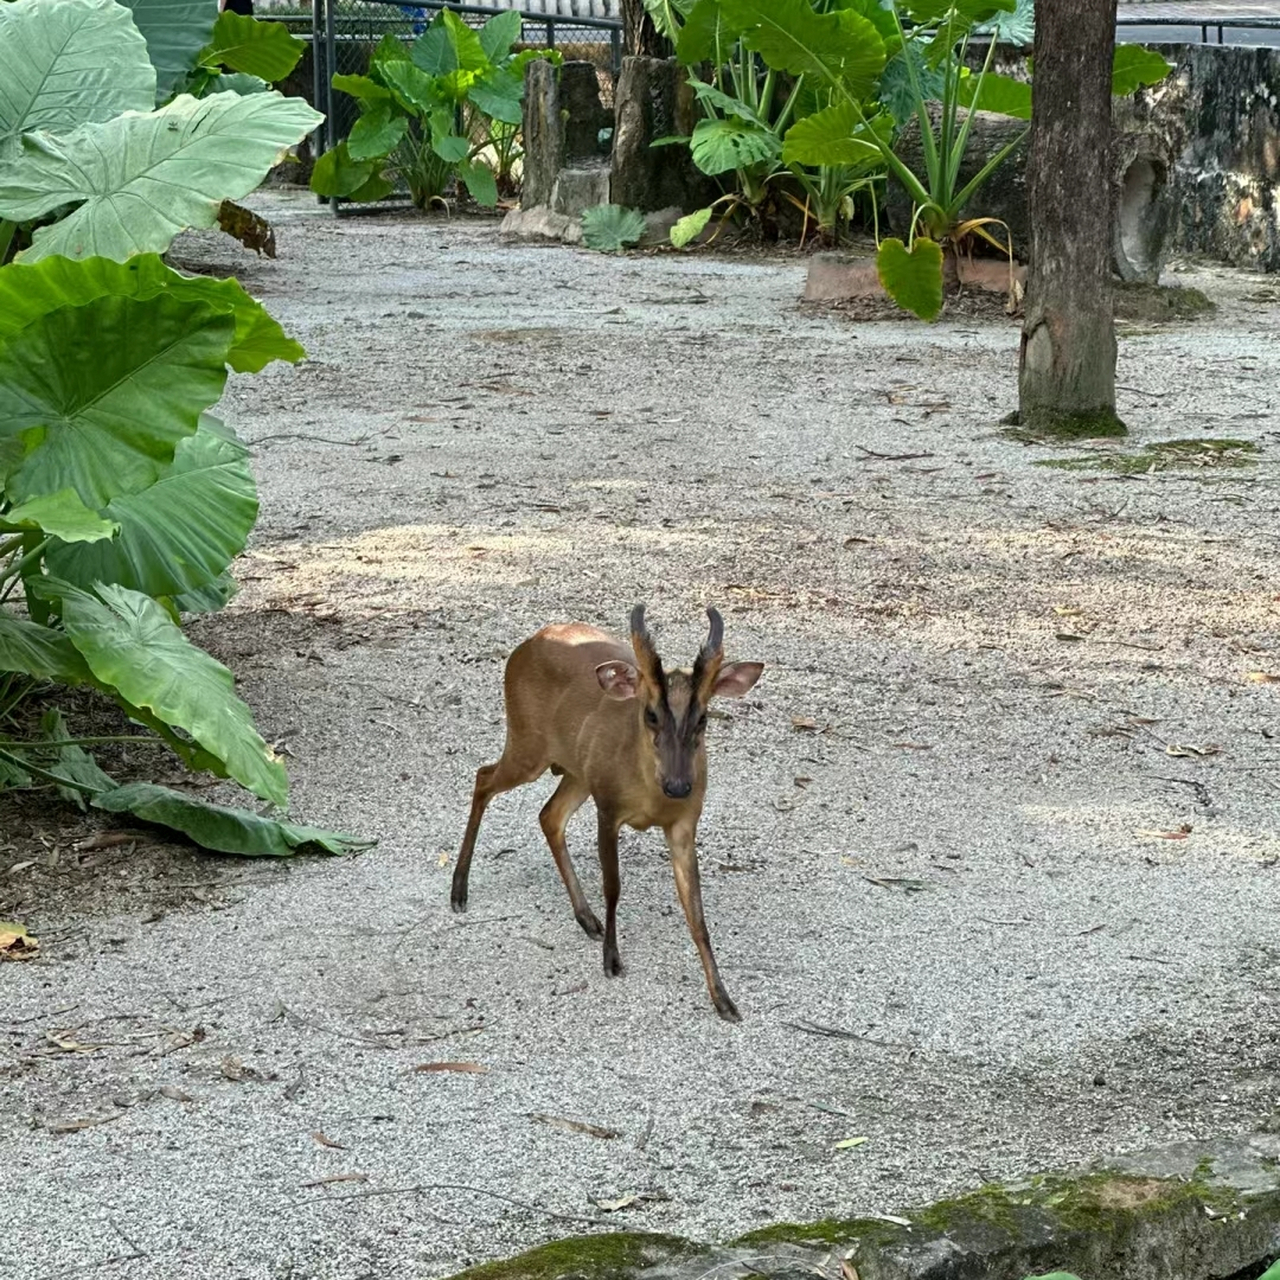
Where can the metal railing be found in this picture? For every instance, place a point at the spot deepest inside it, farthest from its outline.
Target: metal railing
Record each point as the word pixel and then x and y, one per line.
pixel 1205 25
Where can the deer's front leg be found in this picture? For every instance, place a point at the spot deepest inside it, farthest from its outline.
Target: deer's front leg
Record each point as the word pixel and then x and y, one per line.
pixel 684 862
pixel 608 844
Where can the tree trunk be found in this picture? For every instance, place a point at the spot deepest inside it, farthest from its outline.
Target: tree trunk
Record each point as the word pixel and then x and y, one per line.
pixel 1067 374
pixel 639 36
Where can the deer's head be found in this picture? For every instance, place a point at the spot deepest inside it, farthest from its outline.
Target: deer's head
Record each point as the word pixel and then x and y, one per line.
pixel 672 705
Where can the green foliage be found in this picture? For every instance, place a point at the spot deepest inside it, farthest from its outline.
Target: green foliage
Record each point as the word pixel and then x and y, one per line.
pixel 689 228
pixel 444 111
pixel 242 43
pixel 217 827
pixel 175 32
pixel 1134 67
pixel 122 500
pixel 912 277
pixel 76 62
pixel 90 169
pixel 610 228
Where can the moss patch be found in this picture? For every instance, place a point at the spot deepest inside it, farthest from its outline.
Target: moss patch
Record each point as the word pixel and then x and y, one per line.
pixel 1148 303
pixel 1168 455
pixel 1045 427
pixel 613 1256
pixel 830 1233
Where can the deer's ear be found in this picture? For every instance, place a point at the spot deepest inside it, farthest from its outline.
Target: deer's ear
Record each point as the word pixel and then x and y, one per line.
pixel 736 678
pixel 618 679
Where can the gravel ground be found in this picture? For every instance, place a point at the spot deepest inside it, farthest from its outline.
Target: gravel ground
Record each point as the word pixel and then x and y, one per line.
pixel 931 829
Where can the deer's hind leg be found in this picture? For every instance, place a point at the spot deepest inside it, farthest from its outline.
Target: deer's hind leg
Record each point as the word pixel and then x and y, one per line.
pixel 568 798
pixel 513 770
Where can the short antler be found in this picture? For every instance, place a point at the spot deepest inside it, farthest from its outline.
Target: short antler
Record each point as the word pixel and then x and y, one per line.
pixel 706 666
pixel 647 659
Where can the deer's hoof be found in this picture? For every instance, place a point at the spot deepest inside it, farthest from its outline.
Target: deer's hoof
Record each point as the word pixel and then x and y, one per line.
pixel 458 901
pixel 612 962
pixel 590 925
pixel 725 1007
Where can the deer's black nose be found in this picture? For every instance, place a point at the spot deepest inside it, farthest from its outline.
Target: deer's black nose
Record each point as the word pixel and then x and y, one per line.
pixel 677 790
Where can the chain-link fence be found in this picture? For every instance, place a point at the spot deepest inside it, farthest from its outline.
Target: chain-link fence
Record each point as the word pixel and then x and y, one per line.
pixel 346 32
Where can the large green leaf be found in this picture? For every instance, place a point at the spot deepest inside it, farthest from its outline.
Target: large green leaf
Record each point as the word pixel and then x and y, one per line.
pixel 609 228
pixel 844 48
pixel 67 63
pixel 927 13
pixel 222 829
pixel 242 43
pixel 725 103
pixel 362 87
pixel 30 290
pixel 377 133
pixel 1134 66
pixel 500 95
pixel 140 179
pixel 725 144
pixel 61 515
pixel 131 644
pixel 175 31
pixel 1016 28
pixel 704 36
pixel 103 418
pixel 912 277
pixel 415 90
pixel 898 93
pixel 690 227
pixel 336 173
pixel 667 15
pixel 71 761
pixel 447 45
pixel 27 648
pixel 479 181
pixel 836 136
pixel 499 34
pixel 180 534
pixel 998 93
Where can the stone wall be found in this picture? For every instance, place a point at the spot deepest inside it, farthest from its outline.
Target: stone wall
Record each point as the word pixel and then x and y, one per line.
pixel 1224 100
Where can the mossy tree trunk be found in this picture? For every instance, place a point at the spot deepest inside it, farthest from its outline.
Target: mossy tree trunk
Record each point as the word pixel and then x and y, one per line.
pixel 1067 374
pixel 639 36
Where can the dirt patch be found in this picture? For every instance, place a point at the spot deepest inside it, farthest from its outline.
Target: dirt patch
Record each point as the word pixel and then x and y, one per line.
pixel 989 854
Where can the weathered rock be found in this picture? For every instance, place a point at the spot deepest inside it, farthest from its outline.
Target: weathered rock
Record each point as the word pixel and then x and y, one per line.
pixel 1221 102
pixel 1190 1212
pixel 541 223
pixel 576 190
pixel 585 116
pixel 653 100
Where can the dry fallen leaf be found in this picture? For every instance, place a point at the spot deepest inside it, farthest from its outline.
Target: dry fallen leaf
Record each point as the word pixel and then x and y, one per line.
pixel 1174 749
pixel 327 1142
pixel 573 1126
pixel 16 943
pixel 847 1270
pixel 1181 834
pixel 476 1068
pixel 232 1068
pixel 89 1122
pixel 803 724
pixel 174 1094
pixel 847 1144
pixel 1262 677
pixel 612 1206
pixel 1067 611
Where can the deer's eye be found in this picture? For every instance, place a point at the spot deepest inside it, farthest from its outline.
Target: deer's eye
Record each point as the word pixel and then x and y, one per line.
pixel 651 717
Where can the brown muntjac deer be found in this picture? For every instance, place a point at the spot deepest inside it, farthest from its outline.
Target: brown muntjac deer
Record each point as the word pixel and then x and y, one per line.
pixel 619 729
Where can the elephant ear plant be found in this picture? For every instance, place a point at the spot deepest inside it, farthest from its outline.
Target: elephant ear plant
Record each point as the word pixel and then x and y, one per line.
pixel 445 109
pixel 123 502
pixel 864 68
pixel 89 166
